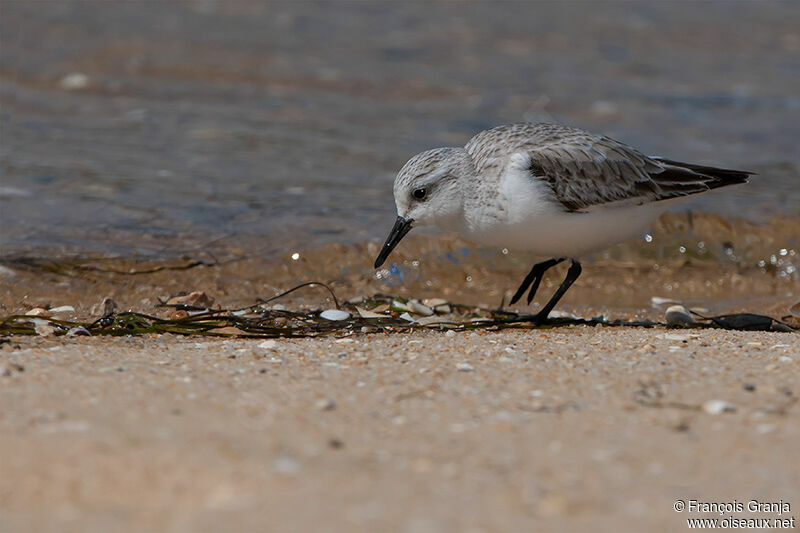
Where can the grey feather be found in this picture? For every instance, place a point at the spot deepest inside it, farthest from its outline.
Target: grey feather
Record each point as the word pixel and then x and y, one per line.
pixel 585 170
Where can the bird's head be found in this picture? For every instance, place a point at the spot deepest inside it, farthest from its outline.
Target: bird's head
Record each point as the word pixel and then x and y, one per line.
pixel 428 190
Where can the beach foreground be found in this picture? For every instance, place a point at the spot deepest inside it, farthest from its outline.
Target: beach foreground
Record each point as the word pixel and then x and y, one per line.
pixel 561 429
pixel 581 428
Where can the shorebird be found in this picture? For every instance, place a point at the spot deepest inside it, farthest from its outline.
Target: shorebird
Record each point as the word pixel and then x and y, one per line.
pixel 556 191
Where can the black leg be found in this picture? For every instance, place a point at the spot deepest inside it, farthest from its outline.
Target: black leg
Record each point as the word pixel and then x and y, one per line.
pixel 572 274
pixel 535 277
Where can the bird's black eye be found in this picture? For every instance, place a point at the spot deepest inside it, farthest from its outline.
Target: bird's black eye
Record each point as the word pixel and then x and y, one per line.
pixel 420 193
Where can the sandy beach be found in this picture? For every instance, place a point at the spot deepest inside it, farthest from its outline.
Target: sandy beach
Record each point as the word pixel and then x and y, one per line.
pixel 235 150
pixel 565 429
pixel 562 429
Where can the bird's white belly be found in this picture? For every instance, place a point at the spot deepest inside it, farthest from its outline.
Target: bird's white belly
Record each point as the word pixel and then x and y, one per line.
pixel 527 218
pixel 570 234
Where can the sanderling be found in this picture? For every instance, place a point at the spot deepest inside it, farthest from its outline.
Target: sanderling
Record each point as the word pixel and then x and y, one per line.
pixel 553 190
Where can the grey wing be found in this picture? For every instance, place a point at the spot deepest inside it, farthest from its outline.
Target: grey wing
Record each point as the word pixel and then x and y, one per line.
pixel 586 170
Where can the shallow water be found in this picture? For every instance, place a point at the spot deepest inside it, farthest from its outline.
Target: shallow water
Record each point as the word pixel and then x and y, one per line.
pixel 159 131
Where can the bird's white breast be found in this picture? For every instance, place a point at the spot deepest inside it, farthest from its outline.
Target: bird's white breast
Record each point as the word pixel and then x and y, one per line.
pixel 526 216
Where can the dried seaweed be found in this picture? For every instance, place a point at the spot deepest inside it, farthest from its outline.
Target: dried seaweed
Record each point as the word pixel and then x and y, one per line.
pixel 259 321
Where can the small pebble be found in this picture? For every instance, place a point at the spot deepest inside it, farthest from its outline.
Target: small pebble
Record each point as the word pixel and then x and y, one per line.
pixel 334 314
pixel 450 333
pixel 285 465
pixel 44 328
pixel 555 313
pixel 465 367
pixel 178 315
pixel 716 407
pixel 269 344
pixel 74 81
pixel 674 337
pixel 677 315
pixel 105 308
pixel 38 311
pixel 325 404
pixel 197 299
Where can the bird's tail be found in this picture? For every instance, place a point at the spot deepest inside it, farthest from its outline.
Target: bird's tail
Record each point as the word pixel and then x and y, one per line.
pixel 717 177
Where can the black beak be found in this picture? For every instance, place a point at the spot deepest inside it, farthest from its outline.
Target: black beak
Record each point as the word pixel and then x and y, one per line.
pixel 401 227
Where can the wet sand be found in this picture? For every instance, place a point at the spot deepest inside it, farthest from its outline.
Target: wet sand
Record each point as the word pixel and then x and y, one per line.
pixel 562 430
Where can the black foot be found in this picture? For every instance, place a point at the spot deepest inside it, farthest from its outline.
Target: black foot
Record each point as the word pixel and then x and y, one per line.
pixel 533 279
pixel 541 317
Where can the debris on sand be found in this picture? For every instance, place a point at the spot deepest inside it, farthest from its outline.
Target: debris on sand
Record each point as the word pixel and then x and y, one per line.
pixel 677 315
pixel 334 315
pixel 196 300
pixel 193 314
pixel 717 407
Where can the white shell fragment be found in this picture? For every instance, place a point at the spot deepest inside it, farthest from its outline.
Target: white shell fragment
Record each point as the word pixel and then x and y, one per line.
pixel 406 316
pixel 62 309
pixel 420 308
pixel 658 300
pixel 716 407
pixel 364 313
pixel 269 344
pixel 334 314
pixel 397 305
pixel 429 320
pixel 78 331
pixel 677 315
pixel 439 305
pixel 464 367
